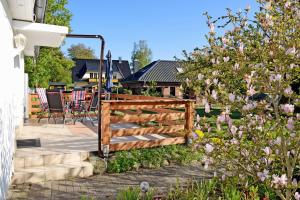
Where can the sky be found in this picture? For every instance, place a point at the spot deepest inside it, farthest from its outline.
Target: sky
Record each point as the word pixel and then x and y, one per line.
pixel 168 26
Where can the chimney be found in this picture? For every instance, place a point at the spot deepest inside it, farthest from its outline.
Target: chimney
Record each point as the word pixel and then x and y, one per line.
pixel 136 66
pixel 120 60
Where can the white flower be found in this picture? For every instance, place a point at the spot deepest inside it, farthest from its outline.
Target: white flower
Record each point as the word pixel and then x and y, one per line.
pixel 241 47
pixel 267 150
pixel 221 118
pixel 268 6
pixel 288 108
pixel 207 81
pixel 226 59
pixel 288 91
pixel 215 80
pixel 209 148
pixel 207 108
pixel 212 27
pixel 198 118
pixel 213 61
pixel 231 97
pixel 263 175
pixel 236 66
pixel 279 181
pixel 269 20
pixel 297 196
pixel 291 51
pixel 278 141
pixel 215 73
pixel 200 76
pixel 233 129
pixel 278 77
pixel 214 95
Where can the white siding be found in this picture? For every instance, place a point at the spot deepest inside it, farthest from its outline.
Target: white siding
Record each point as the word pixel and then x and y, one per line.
pixel 11 96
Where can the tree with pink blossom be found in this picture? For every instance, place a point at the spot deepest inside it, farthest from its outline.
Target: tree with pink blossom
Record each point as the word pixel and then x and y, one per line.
pixel 251 69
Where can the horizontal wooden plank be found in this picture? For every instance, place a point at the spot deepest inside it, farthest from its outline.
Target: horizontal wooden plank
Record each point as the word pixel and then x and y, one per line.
pixel 163 110
pixel 142 118
pixel 173 123
pixel 136 97
pixel 146 131
pixel 34 103
pixel 146 144
pixel 131 112
pixel 35 109
pixel 143 105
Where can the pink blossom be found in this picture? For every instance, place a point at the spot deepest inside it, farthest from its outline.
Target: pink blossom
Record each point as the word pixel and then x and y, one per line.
pixel 251 91
pixel 233 130
pixel 287 4
pixel 212 28
pixel 207 108
pixel 290 124
pixel 288 108
pixel 279 181
pixel 294 182
pixel 214 95
pixel 240 134
pixel 263 175
pixel 234 141
pixel 231 97
pixel 209 148
pixel 288 91
pixel 297 196
pixel 298 116
pixel 267 151
pixel 226 59
pixel 221 118
pixel 224 40
pixel 207 162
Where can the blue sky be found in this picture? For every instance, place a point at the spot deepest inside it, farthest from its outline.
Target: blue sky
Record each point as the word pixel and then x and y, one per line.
pixel 168 26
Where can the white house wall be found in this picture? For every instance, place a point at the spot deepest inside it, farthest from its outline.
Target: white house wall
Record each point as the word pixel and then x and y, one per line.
pixel 11 96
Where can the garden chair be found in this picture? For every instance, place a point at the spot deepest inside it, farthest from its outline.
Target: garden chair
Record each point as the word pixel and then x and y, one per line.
pixel 92 107
pixel 78 104
pixel 43 102
pixel 56 105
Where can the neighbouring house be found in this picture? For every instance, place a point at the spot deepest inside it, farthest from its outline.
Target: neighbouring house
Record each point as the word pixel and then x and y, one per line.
pixel 22 32
pixel 86 71
pixel 163 73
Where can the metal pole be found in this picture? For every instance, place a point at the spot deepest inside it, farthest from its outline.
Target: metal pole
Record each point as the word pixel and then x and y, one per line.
pixel 100 153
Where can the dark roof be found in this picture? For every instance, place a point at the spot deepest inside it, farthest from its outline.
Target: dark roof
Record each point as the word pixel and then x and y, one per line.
pixel 91 65
pixel 57 84
pixel 158 71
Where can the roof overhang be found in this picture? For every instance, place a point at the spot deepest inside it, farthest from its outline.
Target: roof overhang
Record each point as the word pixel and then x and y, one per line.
pixel 38 34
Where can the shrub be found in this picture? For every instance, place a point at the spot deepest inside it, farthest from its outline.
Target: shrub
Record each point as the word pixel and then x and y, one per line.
pixel 152 158
pixel 252 68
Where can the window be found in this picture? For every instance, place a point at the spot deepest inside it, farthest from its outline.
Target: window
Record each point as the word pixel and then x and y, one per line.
pixel 114 76
pixel 91 75
pixel 95 75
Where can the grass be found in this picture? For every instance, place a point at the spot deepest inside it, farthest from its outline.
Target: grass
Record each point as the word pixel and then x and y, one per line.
pixel 123 161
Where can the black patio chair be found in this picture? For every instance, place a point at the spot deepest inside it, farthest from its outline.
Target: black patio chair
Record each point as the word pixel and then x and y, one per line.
pixel 92 107
pixel 56 105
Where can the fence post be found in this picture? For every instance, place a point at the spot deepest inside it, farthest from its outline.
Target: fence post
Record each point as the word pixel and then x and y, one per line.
pixel 189 119
pixel 29 105
pixel 105 128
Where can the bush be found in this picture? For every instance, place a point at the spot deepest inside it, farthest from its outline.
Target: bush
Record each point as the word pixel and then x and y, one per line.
pixel 152 158
pixel 251 68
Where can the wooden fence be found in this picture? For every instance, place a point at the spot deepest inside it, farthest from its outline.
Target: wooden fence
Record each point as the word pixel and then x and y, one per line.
pixel 169 117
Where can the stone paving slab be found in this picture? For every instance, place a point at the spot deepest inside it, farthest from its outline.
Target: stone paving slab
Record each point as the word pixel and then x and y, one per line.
pixel 106 186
